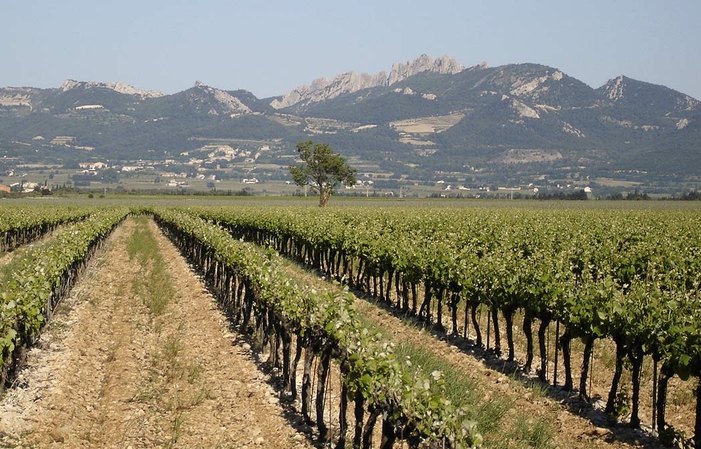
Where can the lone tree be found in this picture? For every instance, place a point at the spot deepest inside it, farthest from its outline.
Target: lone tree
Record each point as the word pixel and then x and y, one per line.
pixel 322 170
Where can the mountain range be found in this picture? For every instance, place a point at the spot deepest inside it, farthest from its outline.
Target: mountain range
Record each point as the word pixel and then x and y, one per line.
pixel 427 119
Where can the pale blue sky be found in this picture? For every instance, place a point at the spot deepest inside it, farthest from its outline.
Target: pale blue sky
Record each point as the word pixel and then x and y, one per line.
pixel 270 47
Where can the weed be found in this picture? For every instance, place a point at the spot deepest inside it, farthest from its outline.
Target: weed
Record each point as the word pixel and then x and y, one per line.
pixel 147 392
pixel 534 433
pixel 622 403
pixel 538 389
pixel 193 372
pixel 153 284
pixel 682 393
pixel 176 430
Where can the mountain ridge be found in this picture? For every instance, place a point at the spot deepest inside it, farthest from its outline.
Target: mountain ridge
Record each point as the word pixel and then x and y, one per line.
pixel 426 116
pixel 322 89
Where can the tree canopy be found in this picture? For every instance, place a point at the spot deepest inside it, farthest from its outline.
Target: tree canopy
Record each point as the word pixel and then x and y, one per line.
pixel 322 170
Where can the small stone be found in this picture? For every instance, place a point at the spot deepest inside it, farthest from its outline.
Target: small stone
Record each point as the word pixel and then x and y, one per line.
pixel 259 441
pixel 60 434
pixel 598 432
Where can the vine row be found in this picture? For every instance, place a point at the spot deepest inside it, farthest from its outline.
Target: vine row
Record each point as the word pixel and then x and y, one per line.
pixel 298 323
pixel 22 225
pixel 629 276
pixel 46 273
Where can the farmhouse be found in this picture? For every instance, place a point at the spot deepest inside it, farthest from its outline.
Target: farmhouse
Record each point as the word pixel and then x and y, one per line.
pixel 89 106
pixel 62 140
pixel 93 165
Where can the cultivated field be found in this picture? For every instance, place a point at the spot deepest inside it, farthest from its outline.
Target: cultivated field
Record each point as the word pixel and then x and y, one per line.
pixel 379 324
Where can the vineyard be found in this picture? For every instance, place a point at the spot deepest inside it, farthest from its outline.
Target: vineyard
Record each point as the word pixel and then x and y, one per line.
pixel 598 306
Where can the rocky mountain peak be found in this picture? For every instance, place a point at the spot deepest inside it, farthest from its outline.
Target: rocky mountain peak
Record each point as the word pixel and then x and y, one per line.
pixel 220 101
pixel 614 88
pixel 16 96
pixel 323 89
pixel 643 94
pixel 424 63
pixel 121 88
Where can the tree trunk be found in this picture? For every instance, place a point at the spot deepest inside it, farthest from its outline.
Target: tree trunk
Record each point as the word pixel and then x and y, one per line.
pixel 636 358
pixel 666 373
pixel 359 413
pixel 620 354
pixel 439 309
pixel 586 358
pixel 299 346
pixel 528 331
pixel 454 299
pixel 324 195
pixel 286 354
pixel 697 425
pixel 343 407
pixel 509 319
pixel 358 274
pixel 566 344
pixel 322 375
pixel 542 373
pixel 475 324
pixel 414 299
pixel 402 305
pixel 388 435
pixel 497 334
pixel 390 275
pixel 369 427
pixel 425 310
pixel 307 385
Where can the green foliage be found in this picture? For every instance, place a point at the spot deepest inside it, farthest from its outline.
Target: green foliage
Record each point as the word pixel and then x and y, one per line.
pixel 322 170
pixel 30 292
pixel 329 319
pixel 630 275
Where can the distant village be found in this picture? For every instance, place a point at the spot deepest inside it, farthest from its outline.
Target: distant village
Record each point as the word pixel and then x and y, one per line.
pixel 204 160
pixel 215 163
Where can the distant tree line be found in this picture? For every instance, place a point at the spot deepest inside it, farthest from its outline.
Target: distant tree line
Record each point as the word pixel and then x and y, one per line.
pixel 576 195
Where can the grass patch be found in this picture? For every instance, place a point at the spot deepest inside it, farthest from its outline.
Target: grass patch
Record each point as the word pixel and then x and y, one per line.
pixel 489 412
pixel 531 432
pixel 538 389
pixel 176 430
pixel 494 413
pixel 154 285
pixel 461 390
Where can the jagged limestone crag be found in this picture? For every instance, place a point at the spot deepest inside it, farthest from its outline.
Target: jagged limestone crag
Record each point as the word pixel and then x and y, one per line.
pixel 323 89
pixel 117 87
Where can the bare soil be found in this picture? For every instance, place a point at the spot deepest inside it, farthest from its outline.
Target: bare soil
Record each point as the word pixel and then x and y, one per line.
pixel 107 373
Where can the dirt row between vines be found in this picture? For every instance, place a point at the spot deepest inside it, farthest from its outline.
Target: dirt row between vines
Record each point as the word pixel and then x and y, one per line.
pixel 107 373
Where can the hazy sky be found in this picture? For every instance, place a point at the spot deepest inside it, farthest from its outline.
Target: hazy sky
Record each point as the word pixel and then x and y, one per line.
pixel 270 47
